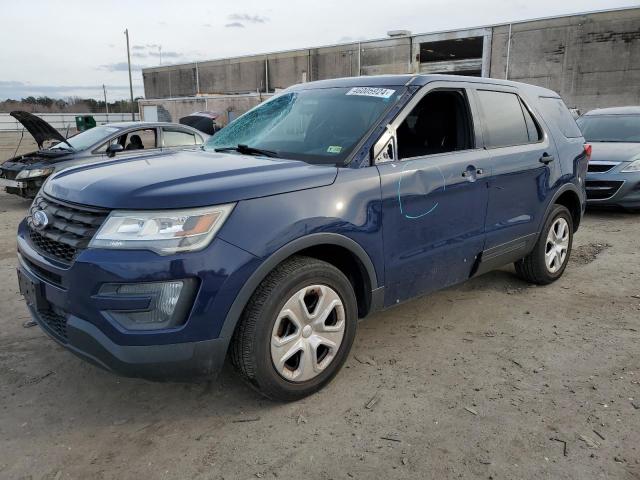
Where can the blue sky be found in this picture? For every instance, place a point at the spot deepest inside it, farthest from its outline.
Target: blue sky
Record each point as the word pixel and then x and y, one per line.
pixel 71 48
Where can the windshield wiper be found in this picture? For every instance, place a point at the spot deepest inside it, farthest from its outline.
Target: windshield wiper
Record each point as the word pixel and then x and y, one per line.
pixel 247 150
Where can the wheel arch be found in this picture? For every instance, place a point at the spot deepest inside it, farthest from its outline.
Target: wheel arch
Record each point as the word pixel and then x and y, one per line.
pixel 569 196
pixel 338 250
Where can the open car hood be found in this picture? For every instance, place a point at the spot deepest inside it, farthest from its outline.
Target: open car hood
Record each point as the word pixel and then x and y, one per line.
pixel 37 127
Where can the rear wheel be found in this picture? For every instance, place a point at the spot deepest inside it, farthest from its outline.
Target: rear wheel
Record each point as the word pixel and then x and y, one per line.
pixel 297 329
pixel 546 263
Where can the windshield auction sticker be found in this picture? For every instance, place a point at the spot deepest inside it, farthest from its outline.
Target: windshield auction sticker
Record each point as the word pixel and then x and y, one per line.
pixel 371 92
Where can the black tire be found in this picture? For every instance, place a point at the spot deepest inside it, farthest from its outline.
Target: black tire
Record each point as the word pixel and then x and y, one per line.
pixel 533 267
pixel 250 346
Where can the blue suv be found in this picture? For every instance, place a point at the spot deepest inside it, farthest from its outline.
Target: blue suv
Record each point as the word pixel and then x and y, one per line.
pixel 330 201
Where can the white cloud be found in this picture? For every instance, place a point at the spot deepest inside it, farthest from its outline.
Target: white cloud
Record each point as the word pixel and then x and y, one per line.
pixel 245 17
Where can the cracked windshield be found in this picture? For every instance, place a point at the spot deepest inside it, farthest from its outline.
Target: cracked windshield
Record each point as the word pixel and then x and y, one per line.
pixel 317 126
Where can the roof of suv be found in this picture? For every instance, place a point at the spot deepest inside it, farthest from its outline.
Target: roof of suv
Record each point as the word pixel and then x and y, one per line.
pixel 615 111
pixel 400 80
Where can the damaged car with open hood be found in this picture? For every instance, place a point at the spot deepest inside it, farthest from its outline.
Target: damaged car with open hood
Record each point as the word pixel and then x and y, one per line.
pixel 24 174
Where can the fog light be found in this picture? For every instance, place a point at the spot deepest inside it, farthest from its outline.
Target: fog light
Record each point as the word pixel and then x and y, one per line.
pixel 168 307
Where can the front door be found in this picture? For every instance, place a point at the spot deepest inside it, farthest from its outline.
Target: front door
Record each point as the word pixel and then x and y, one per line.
pixel 434 191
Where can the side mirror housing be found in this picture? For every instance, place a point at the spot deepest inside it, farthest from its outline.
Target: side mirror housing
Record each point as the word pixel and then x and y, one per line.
pixel 113 149
pixel 384 150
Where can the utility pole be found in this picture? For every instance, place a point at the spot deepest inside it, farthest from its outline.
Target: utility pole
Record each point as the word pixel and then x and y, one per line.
pixel 160 53
pixel 506 68
pixel 106 105
pixel 197 80
pixel 133 115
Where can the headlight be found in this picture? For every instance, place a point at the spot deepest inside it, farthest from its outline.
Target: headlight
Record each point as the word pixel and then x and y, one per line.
pixel 632 167
pixel 164 232
pixel 34 172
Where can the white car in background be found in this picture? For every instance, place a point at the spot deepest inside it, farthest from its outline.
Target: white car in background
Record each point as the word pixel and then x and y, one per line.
pixel 24 175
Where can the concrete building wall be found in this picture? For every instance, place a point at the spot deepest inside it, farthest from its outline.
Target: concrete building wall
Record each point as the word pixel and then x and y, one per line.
pixel 391 56
pixel 334 62
pixel 249 74
pixel 592 60
pixel 228 106
pixel 232 75
pixel 288 68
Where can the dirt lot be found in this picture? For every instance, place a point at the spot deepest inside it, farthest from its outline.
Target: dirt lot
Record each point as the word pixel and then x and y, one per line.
pixel 490 379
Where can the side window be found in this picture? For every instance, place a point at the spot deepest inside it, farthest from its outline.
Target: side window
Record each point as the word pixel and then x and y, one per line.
pixel 504 122
pixel 534 131
pixel 556 111
pixel 143 139
pixel 440 123
pixel 177 138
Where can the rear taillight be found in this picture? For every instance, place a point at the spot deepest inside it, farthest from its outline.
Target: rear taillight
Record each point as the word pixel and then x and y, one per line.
pixel 587 150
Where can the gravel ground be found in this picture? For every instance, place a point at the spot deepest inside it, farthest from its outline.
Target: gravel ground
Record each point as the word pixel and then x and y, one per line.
pixel 491 379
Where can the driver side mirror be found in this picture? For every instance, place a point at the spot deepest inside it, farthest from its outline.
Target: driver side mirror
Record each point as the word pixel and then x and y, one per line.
pixel 113 149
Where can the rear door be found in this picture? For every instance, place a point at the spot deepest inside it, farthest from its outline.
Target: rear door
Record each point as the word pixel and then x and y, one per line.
pixel 434 193
pixel 524 167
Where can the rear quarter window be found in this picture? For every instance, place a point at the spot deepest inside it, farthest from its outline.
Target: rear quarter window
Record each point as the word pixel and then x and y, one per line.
pixel 557 113
pixel 504 120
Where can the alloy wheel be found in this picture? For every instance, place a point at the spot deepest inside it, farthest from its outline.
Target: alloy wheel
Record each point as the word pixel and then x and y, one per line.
pixel 557 245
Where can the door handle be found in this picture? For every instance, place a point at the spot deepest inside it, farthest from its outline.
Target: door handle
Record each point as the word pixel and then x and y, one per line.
pixel 546 159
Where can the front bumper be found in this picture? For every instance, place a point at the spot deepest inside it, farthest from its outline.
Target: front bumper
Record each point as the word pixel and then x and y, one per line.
pixel 4 182
pixel 70 311
pixel 177 362
pixel 614 188
pixel 27 188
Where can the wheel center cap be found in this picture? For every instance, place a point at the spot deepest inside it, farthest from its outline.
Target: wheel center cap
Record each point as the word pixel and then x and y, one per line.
pixel 307 331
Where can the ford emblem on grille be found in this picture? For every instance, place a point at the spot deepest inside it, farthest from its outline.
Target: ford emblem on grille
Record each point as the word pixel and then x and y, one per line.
pixel 39 219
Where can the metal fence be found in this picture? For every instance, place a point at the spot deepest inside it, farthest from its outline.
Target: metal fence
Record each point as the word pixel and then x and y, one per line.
pixel 63 121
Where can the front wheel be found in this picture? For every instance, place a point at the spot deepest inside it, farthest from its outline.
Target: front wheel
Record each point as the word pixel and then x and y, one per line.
pixel 546 263
pixel 297 329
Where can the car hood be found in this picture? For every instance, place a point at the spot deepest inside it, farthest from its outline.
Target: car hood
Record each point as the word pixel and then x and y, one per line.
pixel 614 152
pixel 184 179
pixel 37 127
